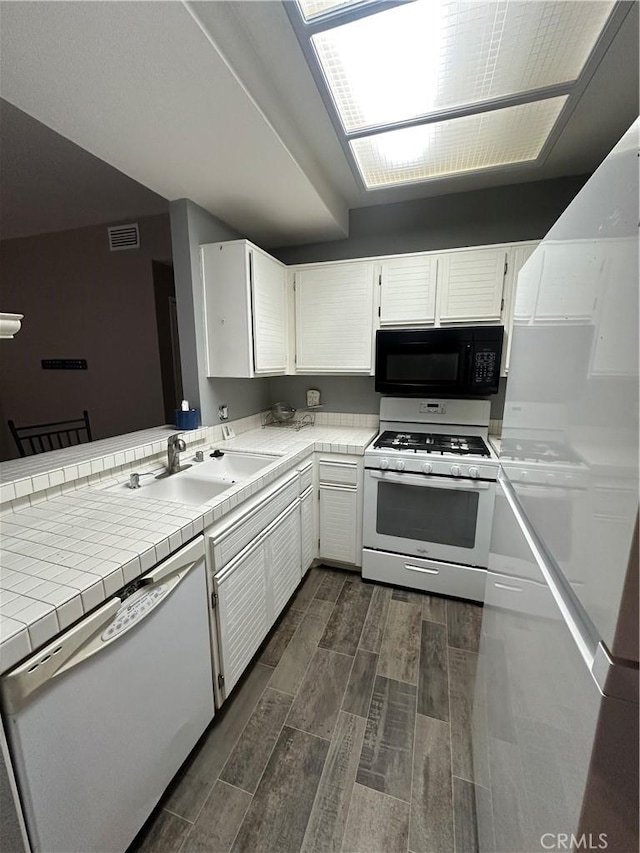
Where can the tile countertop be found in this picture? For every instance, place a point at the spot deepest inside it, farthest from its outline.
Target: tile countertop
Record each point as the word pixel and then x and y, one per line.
pixel 65 555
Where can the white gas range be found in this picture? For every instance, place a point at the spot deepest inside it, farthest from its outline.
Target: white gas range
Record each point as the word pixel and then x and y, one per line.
pixel 429 495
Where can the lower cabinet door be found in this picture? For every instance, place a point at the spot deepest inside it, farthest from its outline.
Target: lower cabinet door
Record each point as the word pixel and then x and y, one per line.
pixel 307 531
pixel 243 611
pixel 283 559
pixel 338 523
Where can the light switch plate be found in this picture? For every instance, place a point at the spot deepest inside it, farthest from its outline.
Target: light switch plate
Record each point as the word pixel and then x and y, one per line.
pixel 227 432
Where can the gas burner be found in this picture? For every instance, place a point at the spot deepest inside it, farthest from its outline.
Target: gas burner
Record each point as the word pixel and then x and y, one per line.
pixel 432 443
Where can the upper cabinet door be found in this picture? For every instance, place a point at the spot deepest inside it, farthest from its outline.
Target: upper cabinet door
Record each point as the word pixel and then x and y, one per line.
pixel 334 318
pixel 571 276
pixel 408 290
pixel 245 310
pixel 471 284
pixel 268 280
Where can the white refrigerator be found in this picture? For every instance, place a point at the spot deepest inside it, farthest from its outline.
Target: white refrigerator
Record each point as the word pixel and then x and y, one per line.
pixel 555 719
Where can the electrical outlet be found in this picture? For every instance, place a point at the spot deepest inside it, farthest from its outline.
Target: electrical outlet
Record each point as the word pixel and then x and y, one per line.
pixel 223 412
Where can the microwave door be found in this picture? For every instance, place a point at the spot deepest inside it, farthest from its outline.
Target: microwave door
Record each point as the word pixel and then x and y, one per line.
pixel 418 365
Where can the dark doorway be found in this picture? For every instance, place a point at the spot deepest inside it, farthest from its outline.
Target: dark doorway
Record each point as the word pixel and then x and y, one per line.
pixel 169 344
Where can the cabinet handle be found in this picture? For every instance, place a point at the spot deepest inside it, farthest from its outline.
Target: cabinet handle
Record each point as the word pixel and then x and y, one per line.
pixel 507 587
pixel 421 569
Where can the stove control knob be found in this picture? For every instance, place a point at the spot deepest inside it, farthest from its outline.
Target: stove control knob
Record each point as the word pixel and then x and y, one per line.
pixel 427 468
pixel 399 465
pixel 473 472
pixel 455 470
pixel 384 463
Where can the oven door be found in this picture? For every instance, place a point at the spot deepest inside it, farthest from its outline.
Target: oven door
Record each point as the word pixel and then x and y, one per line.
pixel 440 518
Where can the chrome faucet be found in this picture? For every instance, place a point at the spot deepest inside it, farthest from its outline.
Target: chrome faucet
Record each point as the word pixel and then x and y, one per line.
pixel 134 481
pixel 175 446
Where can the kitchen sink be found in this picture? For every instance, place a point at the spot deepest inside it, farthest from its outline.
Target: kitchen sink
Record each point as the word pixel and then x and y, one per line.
pixel 234 465
pixel 201 482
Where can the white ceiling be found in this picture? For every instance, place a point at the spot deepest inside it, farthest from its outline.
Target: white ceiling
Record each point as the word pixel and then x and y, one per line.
pixel 214 101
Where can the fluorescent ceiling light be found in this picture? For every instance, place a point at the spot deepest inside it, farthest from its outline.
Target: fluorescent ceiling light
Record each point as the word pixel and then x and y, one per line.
pixel 467 144
pixel 430 55
pixel 312 9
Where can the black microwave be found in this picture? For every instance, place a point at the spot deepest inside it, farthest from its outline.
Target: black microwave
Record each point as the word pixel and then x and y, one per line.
pixel 458 361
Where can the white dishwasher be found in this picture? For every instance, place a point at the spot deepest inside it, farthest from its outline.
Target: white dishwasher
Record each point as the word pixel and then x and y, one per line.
pixel 100 720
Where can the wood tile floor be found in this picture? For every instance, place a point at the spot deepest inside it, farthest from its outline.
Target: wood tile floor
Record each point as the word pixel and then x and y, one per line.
pixel 350 732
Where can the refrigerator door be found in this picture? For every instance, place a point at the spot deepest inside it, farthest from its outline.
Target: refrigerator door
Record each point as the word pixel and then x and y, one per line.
pixel 573 382
pixel 547 743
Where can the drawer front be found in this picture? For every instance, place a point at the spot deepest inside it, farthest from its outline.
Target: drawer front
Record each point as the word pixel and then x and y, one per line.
pixel 305 476
pixel 341 473
pixel 424 575
pixel 230 542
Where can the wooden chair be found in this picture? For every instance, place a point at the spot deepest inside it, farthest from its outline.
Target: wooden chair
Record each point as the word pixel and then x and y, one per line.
pixel 39 438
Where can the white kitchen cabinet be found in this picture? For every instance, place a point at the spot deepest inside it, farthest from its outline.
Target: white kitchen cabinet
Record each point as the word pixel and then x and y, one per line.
pixel 334 317
pixel 245 302
pixel 572 274
pixel 341 492
pixel 284 559
pixel 518 287
pixel 408 290
pixel 616 316
pixel 470 285
pixel 525 286
pixel 308 540
pixel 242 611
pixel 338 514
pixel 251 590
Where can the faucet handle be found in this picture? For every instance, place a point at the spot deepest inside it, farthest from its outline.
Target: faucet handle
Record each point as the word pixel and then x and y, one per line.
pixel 175 441
pixel 134 481
pixel 199 456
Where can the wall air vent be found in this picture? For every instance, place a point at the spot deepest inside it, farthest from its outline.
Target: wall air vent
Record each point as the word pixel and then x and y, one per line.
pixel 123 237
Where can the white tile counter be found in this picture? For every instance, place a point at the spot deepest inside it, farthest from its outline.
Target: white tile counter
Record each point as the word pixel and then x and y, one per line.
pixel 67 548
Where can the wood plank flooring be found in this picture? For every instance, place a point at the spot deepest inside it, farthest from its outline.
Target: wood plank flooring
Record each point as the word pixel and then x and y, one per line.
pixel 349 733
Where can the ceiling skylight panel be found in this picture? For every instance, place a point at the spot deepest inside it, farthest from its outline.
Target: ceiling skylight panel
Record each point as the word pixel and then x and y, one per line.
pixel 430 55
pixel 312 9
pixel 467 144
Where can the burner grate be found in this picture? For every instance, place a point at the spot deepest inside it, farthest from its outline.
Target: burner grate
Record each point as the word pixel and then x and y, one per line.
pixel 433 443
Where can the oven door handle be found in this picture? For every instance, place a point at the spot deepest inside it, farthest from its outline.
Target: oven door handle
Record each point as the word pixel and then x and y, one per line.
pixel 430 480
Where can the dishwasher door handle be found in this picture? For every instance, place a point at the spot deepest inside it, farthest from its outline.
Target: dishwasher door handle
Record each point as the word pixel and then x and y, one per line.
pixel 25 679
pixel 182 559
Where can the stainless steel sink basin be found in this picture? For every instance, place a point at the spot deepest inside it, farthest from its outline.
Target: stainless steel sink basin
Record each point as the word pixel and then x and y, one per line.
pixel 202 481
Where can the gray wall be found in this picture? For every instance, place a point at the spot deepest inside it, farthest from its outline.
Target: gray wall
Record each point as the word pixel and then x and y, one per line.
pixel 82 301
pixel 191 226
pixel 348 393
pixel 498 215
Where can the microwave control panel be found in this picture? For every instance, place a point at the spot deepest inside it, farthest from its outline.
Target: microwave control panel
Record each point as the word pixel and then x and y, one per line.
pixel 484 366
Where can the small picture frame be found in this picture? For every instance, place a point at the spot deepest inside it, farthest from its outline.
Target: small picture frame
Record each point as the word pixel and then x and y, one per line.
pixel 227 432
pixel 313 398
